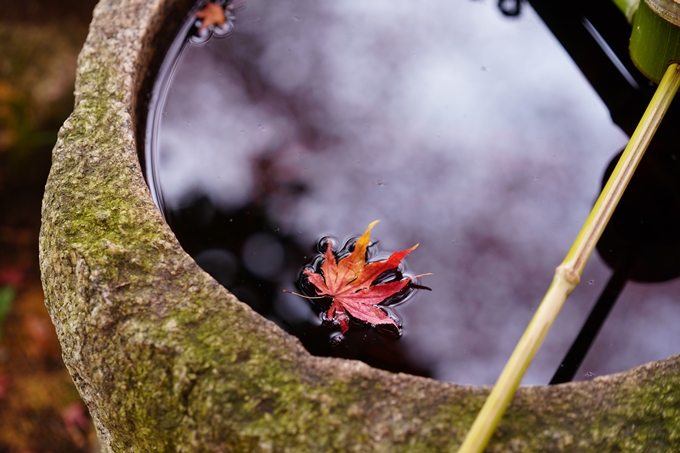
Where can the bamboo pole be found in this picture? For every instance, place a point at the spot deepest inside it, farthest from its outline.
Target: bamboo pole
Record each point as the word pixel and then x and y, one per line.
pixel 655 37
pixel 568 273
pixel 627 7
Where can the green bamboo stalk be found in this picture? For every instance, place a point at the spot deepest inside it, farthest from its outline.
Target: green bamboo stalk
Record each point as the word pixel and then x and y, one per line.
pixel 627 7
pixel 655 38
pixel 568 273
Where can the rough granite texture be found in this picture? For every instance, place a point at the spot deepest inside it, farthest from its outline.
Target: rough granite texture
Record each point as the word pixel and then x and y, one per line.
pixel 168 360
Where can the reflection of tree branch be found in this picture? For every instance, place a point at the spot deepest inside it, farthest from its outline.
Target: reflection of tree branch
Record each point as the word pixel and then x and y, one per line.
pixel 308 114
pixel 272 177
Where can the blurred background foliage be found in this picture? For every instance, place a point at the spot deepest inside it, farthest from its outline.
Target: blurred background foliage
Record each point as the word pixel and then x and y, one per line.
pixel 40 410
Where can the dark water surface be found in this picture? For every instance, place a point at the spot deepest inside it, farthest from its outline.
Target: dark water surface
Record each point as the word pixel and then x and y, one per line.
pixel 467 132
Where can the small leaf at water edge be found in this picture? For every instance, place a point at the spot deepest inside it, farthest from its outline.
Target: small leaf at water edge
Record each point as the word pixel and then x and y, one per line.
pixel 211 14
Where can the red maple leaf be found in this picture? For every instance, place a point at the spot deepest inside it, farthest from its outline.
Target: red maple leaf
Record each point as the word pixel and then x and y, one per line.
pixel 349 282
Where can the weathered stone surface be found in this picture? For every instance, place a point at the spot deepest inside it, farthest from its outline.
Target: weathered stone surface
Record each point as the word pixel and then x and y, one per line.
pixel 167 360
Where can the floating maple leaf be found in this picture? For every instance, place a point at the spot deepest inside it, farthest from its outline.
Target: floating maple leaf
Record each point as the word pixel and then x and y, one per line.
pixel 350 283
pixel 211 14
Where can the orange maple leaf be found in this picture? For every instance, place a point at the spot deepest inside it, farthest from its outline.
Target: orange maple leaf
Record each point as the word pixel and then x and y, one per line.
pixel 349 283
pixel 211 14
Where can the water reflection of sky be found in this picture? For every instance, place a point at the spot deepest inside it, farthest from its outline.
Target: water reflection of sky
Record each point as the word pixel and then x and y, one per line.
pixel 470 133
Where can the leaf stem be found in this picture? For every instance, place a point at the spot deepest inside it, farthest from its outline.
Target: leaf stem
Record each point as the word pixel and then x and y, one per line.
pixel 306 297
pixel 568 274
